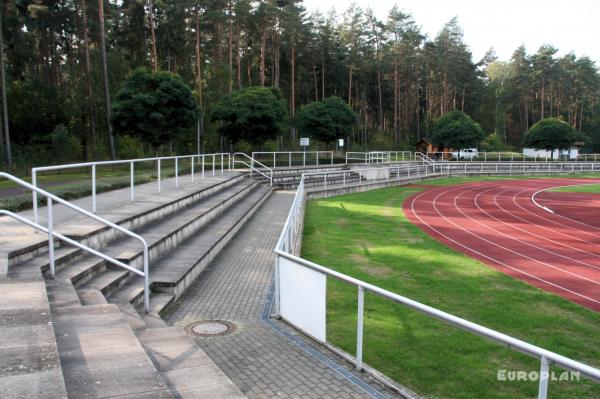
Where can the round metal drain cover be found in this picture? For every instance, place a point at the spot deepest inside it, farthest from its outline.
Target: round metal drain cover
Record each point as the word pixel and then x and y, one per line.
pixel 210 328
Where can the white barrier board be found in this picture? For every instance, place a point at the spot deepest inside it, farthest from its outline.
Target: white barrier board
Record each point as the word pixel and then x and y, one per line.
pixel 302 295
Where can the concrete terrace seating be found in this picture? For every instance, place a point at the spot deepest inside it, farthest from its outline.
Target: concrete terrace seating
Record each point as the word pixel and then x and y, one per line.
pixel 89 338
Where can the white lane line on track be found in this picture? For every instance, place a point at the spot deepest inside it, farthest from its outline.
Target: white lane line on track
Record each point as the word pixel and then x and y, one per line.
pixel 412 207
pixel 561 216
pixel 456 207
pixel 510 225
pixel 557 223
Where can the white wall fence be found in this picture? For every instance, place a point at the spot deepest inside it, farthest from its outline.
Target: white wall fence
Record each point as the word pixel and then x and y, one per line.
pixel 301 285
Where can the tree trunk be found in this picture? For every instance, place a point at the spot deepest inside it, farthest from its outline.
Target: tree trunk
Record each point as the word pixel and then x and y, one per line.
pixel 350 85
pixel 380 95
pixel 293 98
pixel 239 58
pixel 4 104
pixel 111 139
pixel 152 35
pixel 263 43
pixel 198 70
pixel 88 79
pixel 230 48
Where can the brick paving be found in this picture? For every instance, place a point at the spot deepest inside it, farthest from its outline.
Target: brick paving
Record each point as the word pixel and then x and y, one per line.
pixel 261 360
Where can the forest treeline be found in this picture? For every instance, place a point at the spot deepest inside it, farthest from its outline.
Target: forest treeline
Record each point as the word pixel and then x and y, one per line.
pixel 66 59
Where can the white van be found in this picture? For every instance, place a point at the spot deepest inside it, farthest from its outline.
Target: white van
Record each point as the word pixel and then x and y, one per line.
pixel 466 153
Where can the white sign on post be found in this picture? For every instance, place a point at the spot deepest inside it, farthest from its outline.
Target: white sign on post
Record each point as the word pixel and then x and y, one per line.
pixel 304 141
pixel 340 142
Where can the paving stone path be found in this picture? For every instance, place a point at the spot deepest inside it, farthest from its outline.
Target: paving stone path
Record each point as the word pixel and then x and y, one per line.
pixel 263 358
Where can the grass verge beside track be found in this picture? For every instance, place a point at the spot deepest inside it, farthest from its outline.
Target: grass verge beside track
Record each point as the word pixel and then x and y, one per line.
pixel 366 235
pixel 592 188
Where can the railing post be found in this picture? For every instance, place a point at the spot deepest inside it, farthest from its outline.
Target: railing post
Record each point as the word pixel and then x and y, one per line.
pixel 359 328
pixel 51 239
pixel 317 158
pixel 304 158
pixel 274 160
pixel 132 178
pixel 290 159
pixel 146 281
pixel 94 188
pixel 192 166
pixel 34 196
pixel 158 174
pixel 176 172
pixel 325 175
pixel 332 157
pixel 221 163
pixel 213 164
pixel 544 374
pixel 203 166
pixel 344 179
pixel 276 288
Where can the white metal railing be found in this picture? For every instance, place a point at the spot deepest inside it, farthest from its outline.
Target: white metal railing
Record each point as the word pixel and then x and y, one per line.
pixel 222 159
pixel 293 157
pixel 483 156
pixel 515 167
pixel 378 156
pixel 419 156
pixel 49 229
pixel 358 176
pixel 265 172
pixel 309 313
pixel 588 157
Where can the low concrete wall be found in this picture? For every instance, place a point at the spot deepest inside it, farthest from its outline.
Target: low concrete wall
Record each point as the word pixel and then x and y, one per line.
pixel 359 188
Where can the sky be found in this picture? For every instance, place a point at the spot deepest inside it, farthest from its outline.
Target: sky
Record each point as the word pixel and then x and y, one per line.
pixel 570 25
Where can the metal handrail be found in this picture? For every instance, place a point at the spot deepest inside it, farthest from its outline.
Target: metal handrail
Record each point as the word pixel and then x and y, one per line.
pixel 252 167
pixel 284 249
pixel 419 156
pixel 290 153
pixel 50 230
pixel 131 162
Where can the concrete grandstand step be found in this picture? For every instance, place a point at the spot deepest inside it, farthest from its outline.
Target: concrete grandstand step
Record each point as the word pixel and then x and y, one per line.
pixel 92 272
pixel 101 356
pixel 29 359
pixel 173 273
pixel 62 293
pixel 148 209
pixel 188 371
pixel 91 296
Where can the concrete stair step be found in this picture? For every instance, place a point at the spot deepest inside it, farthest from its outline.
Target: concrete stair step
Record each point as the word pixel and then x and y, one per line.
pixel 134 215
pixel 91 297
pixel 107 281
pixel 186 368
pixel 29 359
pixel 82 270
pixel 62 255
pixel 101 356
pixel 173 273
pixel 62 293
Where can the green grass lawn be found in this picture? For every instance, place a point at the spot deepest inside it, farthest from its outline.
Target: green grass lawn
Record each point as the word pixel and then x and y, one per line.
pixel 367 236
pixel 592 188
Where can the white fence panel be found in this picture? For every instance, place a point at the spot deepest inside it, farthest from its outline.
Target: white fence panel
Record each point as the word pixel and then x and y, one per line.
pixel 303 298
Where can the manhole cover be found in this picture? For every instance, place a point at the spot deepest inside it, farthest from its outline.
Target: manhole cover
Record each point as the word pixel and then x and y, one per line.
pixel 210 328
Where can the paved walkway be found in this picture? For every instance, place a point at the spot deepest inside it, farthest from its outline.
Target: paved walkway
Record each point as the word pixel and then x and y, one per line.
pixel 263 358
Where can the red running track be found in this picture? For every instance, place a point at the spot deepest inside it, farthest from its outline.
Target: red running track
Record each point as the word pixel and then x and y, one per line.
pixel 498 223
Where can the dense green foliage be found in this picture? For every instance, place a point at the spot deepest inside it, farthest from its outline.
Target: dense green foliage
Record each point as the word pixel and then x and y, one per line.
pixel 253 114
pixel 326 120
pixel 550 134
pixel 367 236
pixel 154 106
pixel 457 130
pixel 398 80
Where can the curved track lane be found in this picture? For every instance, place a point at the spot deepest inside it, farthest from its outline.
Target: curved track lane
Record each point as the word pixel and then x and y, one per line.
pixel 497 223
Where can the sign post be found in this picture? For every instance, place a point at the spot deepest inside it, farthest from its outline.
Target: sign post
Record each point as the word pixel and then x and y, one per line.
pixel 304 142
